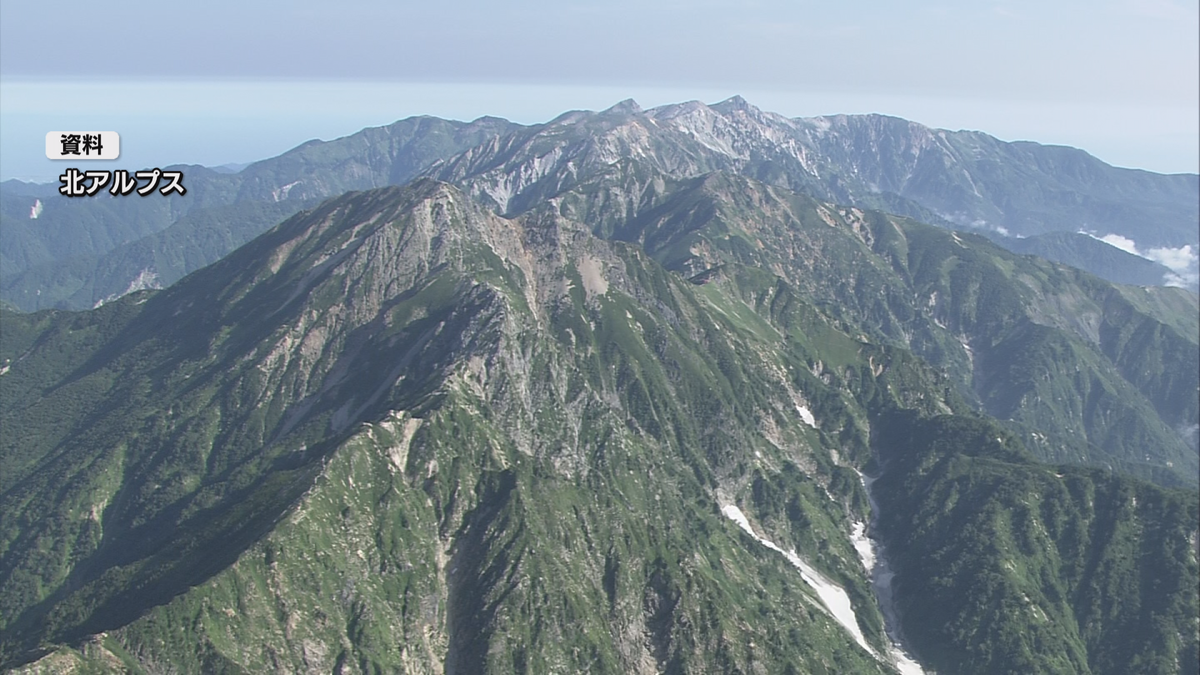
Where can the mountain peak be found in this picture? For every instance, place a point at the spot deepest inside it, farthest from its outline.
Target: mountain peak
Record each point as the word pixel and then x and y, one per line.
pixel 735 102
pixel 443 412
pixel 626 107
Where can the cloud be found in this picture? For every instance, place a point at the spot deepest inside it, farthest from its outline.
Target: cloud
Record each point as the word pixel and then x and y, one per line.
pixel 1183 261
pixel 1123 243
pixel 1177 259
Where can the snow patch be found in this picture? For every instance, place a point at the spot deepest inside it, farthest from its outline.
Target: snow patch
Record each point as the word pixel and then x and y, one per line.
pixel 807 416
pixel 835 599
pixel 819 124
pixel 863 545
pixel 881 575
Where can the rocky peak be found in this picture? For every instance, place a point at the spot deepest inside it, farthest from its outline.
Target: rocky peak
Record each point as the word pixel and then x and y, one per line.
pixel 734 103
pixel 626 107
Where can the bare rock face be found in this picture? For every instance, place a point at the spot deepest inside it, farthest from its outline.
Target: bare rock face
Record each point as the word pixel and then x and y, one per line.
pixel 1054 202
pixel 598 401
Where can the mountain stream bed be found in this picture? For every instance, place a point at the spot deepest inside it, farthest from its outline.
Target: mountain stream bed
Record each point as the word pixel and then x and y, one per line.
pixel 834 597
pixel 874 559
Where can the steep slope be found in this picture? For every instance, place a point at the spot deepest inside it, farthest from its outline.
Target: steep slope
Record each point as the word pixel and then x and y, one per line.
pixel 954 179
pixel 1025 188
pixel 407 417
pixel 400 432
pixel 1087 371
pixel 103 240
pixel 1007 566
pixel 154 261
pixel 1087 253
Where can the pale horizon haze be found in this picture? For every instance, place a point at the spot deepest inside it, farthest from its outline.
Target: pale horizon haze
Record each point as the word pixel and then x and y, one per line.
pixel 235 82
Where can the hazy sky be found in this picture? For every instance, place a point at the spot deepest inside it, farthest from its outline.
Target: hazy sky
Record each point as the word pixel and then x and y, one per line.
pixel 238 81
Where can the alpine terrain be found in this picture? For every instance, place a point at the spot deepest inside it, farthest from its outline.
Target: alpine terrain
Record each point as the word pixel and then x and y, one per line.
pixel 1055 202
pixel 699 389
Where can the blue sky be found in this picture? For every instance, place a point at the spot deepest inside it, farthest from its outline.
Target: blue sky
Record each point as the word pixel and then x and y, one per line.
pixel 239 81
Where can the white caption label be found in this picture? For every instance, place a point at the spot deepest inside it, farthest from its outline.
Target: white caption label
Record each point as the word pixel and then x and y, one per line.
pixel 83 145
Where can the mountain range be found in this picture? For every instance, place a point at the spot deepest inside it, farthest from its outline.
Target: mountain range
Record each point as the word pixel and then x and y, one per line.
pixel 1044 200
pixel 694 389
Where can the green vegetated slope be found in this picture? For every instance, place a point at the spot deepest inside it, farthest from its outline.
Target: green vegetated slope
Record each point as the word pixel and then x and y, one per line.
pixel 1026 188
pixel 398 432
pixel 154 261
pixel 78 251
pixel 67 227
pixel 958 179
pixel 1005 565
pixel 1085 252
pixel 1086 371
pixel 501 440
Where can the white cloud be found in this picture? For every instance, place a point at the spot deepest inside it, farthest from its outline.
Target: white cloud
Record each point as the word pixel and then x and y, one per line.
pixel 1179 260
pixel 1123 243
pixel 1183 261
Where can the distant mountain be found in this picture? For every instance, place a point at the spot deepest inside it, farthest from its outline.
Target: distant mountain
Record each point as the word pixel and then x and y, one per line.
pixel 229 168
pixel 1088 253
pixel 622 428
pixel 22 188
pixel 49 228
pixel 77 252
pixel 999 558
pixel 154 261
pixel 956 301
pixel 975 180
pixel 964 180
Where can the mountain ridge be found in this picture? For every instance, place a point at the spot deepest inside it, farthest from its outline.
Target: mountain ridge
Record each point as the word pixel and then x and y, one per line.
pixel 423 389
pixel 835 158
pixel 603 395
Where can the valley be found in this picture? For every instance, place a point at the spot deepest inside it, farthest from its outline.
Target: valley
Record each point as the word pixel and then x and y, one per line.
pixel 688 389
